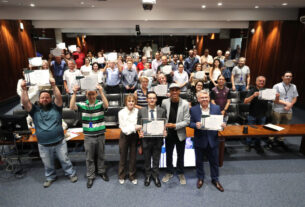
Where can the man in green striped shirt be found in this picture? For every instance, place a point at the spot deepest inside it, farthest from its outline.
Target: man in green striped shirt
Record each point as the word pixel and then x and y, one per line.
pixel 94 128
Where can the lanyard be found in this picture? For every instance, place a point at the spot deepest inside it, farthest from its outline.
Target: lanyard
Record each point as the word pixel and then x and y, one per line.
pixel 286 90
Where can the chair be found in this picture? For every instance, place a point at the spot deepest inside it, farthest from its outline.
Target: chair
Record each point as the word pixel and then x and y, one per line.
pixel 234 96
pixel 184 95
pixel 69 116
pixel 229 85
pixel 20 112
pixel 242 95
pixel 114 100
pixel 65 100
pixel 80 98
pixel 243 112
pixel 111 116
pixel 232 114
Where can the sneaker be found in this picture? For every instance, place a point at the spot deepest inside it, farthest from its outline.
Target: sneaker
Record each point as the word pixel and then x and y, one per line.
pixel 167 177
pixel 134 181
pixel 73 179
pixel 121 181
pixel 182 179
pixel 48 183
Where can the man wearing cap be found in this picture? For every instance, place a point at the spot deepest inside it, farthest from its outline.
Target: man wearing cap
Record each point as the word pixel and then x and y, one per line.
pixel 47 117
pixel 94 129
pixel 178 118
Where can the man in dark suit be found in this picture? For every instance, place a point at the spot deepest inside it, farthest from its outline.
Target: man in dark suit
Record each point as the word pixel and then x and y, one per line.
pixel 152 145
pixel 205 141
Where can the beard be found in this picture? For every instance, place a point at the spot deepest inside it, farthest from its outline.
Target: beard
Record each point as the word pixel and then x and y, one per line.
pixel 45 107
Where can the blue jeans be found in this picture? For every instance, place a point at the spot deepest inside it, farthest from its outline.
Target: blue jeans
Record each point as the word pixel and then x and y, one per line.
pixel 47 154
pixel 240 87
pixel 255 121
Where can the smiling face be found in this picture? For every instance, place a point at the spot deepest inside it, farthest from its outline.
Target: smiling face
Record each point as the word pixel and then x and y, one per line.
pixel 287 77
pixel 203 99
pixel 199 86
pixel 130 103
pixel 45 99
pixel 152 100
pixel 260 82
pixel 174 94
pixel 144 83
pixel 95 67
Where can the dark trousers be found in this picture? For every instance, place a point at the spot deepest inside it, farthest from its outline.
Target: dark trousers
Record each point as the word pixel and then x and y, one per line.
pixel 95 147
pixel 212 156
pixel 129 90
pixel 113 89
pixel 128 142
pixel 171 141
pixel 152 149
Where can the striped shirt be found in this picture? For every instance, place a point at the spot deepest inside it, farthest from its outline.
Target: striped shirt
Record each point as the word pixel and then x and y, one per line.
pixel 92 117
pixel 142 101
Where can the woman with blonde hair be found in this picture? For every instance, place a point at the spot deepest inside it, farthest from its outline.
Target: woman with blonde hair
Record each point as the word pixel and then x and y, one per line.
pixel 128 117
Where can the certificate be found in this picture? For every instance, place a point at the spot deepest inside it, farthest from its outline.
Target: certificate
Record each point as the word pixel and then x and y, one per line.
pixel 35 61
pixel 267 94
pixel 89 82
pixel 113 56
pixel 200 75
pixel 153 128
pixel 56 52
pixel 161 90
pixel 212 122
pixel 61 45
pixel 38 77
pixel 149 73
pixel 229 63
pixel 166 69
pixel 72 48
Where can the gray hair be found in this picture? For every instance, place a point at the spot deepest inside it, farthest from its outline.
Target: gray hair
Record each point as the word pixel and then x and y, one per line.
pixel 202 92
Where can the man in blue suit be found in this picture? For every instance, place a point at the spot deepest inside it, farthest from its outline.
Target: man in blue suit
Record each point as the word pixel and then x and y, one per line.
pixel 205 141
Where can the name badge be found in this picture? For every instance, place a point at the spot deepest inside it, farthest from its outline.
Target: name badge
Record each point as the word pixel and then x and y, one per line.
pixel 241 78
pixel 90 125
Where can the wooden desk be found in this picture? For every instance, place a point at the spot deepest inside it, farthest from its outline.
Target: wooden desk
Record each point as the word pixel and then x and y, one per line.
pixel 110 134
pixel 237 132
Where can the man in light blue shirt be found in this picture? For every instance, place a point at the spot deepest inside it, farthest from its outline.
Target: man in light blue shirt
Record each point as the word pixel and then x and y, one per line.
pixel 113 78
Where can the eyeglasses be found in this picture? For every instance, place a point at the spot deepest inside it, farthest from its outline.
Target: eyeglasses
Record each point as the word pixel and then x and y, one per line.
pixel 151 98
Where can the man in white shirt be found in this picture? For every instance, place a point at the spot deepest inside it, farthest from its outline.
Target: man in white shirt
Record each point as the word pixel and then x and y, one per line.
pixel 196 55
pixel 87 68
pixel 166 50
pixel 147 51
pixel 152 146
pixel 156 62
pixel 181 77
pixel 69 77
pixel 206 59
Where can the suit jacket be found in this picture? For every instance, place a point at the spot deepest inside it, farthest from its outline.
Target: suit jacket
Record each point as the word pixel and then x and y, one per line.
pixel 143 113
pixel 183 116
pixel 204 137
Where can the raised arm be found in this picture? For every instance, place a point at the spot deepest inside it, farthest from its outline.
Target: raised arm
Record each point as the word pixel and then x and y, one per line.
pixel 25 97
pixel 56 92
pixel 73 98
pixel 104 99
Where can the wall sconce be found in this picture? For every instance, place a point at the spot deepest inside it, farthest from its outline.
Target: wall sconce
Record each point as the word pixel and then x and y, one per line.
pixel 21 26
pixel 212 36
pixel 252 30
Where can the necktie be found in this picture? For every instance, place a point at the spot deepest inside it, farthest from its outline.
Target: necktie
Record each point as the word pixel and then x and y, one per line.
pixel 152 114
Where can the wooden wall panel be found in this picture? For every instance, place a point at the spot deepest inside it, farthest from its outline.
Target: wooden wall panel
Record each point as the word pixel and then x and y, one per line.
pixel 16 47
pixel 276 47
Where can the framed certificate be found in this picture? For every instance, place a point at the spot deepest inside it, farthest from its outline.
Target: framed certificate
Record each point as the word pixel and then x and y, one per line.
pixel 153 128
pixel 211 122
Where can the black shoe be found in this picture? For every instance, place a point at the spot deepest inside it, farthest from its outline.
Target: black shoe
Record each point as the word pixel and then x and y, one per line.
pixel 105 177
pixel 259 149
pixel 147 181
pixel 157 182
pixel 248 148
pixel 269 145
pixel 89 183
pixel 199 183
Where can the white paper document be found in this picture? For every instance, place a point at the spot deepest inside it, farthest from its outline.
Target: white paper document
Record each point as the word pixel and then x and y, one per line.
pixel 61 45
pixel 149 73
pixel 267 94
pixel 35 61
pixel 213 122
pixel 89 82
pixel 166 69
pixel 72 48
pixel 155 128
pixel 229 63
pixel 273 127
pixel 39 77
pixel 113 56
pixel 56 52
pixel 161 90
pixel 200 75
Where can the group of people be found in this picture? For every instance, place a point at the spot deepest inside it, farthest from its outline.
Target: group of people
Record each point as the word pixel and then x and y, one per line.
pixel 142 103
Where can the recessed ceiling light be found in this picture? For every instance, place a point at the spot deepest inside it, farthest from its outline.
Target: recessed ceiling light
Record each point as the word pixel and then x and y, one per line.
pixel 92 6
pixel 203 6
pixel 219 4
pixel 256 7
pixel 82 2
pixel 284 4
pixel 146 20
pixel 4 1
pixel 32 5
